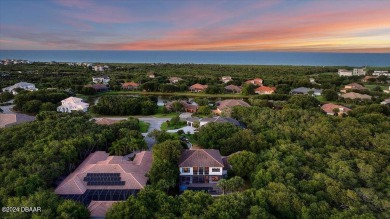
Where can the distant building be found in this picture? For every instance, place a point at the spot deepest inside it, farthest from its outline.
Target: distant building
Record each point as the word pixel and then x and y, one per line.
pixel 359 72
pixel 197 87
pixel 233 88
pixel 306 91
pixel 356 96
pixel 329 109
pixel 201 169
pixel 354 72
pixel 130 86
pixel 265 90
pixel 21 85
pixel 151 75
pixel 387 91
pixel 256 81
pixel 104 79
pixel 345 72
pixel 71 104
pixel 229 103
pixel 226 79
pixel 101 179
pixel 370 78
pixel 174 80
pixel 381 73
pixel 352 86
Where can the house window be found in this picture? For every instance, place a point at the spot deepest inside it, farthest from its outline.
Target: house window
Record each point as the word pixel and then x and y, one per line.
pixel 214 178
pixel 215 170
pixel 186 170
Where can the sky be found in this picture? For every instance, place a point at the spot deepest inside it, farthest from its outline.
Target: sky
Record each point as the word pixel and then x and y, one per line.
pixel 361 26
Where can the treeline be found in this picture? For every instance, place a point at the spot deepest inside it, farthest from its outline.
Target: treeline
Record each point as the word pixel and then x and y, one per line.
pixel 125 105
pixel 35 156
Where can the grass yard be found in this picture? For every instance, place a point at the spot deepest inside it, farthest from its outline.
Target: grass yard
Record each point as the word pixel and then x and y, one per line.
pixel 165 127
pixel 143 126
pixel 371 86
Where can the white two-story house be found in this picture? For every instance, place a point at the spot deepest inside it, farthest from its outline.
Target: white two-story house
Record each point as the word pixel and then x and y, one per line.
pixel 104 79
pixel 201 169
pixel 72 104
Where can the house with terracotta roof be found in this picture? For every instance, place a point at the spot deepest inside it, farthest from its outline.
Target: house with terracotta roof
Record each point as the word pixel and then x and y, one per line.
pixel 197 87
pixel 233 88
pixel 265 90
pixel 130 86
pixel 101 177
pixel 71 104
pixel 352 86
pixel 256 81
pixel 201 169
pixel 354 96
pixel 228 104
pixel 99 209
pixel 10 119
pixel 333 109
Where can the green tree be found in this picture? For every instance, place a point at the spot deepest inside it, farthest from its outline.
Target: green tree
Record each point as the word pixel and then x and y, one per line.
pixel 72 209
pixel 330 95
pixel 243 163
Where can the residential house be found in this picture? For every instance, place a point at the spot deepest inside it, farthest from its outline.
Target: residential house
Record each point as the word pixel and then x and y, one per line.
pixel 103 178
pixel 354 96
pixel 265 90
pixel 7 120
pixel 370 78
pixel 130 86
pixel 384 102
pixel 305 91
pixel 188 107
pixel 197 87
pixel 226 105
pixel 226 79
pixel 352 86
pixel 21 85
pixel 72 104
pixel 256 81
pixel 381 73
pixel 104 79
pixel 99 209
pixel 201 169
pixel 233 88
pixel 174 80
pixel 345 72
pixel 100 68
pixel 312 81
pixel 203 121
pixel 330 109
pixel 151 75
pixel 359 72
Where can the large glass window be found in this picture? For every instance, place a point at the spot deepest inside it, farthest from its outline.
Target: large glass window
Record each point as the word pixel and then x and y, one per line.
pixel 216 170
pixel 186 170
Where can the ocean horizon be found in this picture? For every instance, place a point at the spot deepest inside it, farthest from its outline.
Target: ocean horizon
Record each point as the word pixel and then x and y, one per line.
pixel 203 57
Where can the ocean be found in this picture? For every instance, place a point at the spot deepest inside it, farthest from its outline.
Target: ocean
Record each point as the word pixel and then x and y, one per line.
pixel 203 57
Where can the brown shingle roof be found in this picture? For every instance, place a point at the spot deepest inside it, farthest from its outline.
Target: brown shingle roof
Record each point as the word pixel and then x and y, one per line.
pixel 353 95
pixel 231 103
pixel 105 121
pixel 233 88
pixel 130 84
pixel 132 172
pixel 201 158
pixel 198 86
pixel 13 119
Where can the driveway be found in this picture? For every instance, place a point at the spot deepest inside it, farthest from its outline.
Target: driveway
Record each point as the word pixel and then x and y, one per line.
pixel 7 109
pixel 186 129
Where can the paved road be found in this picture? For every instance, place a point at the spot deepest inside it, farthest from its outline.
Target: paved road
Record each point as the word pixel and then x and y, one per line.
pixel 186 129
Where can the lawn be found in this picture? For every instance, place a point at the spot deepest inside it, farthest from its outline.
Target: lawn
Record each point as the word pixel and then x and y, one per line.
pixel 165 126
pixel 143 126
pixel 371 86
